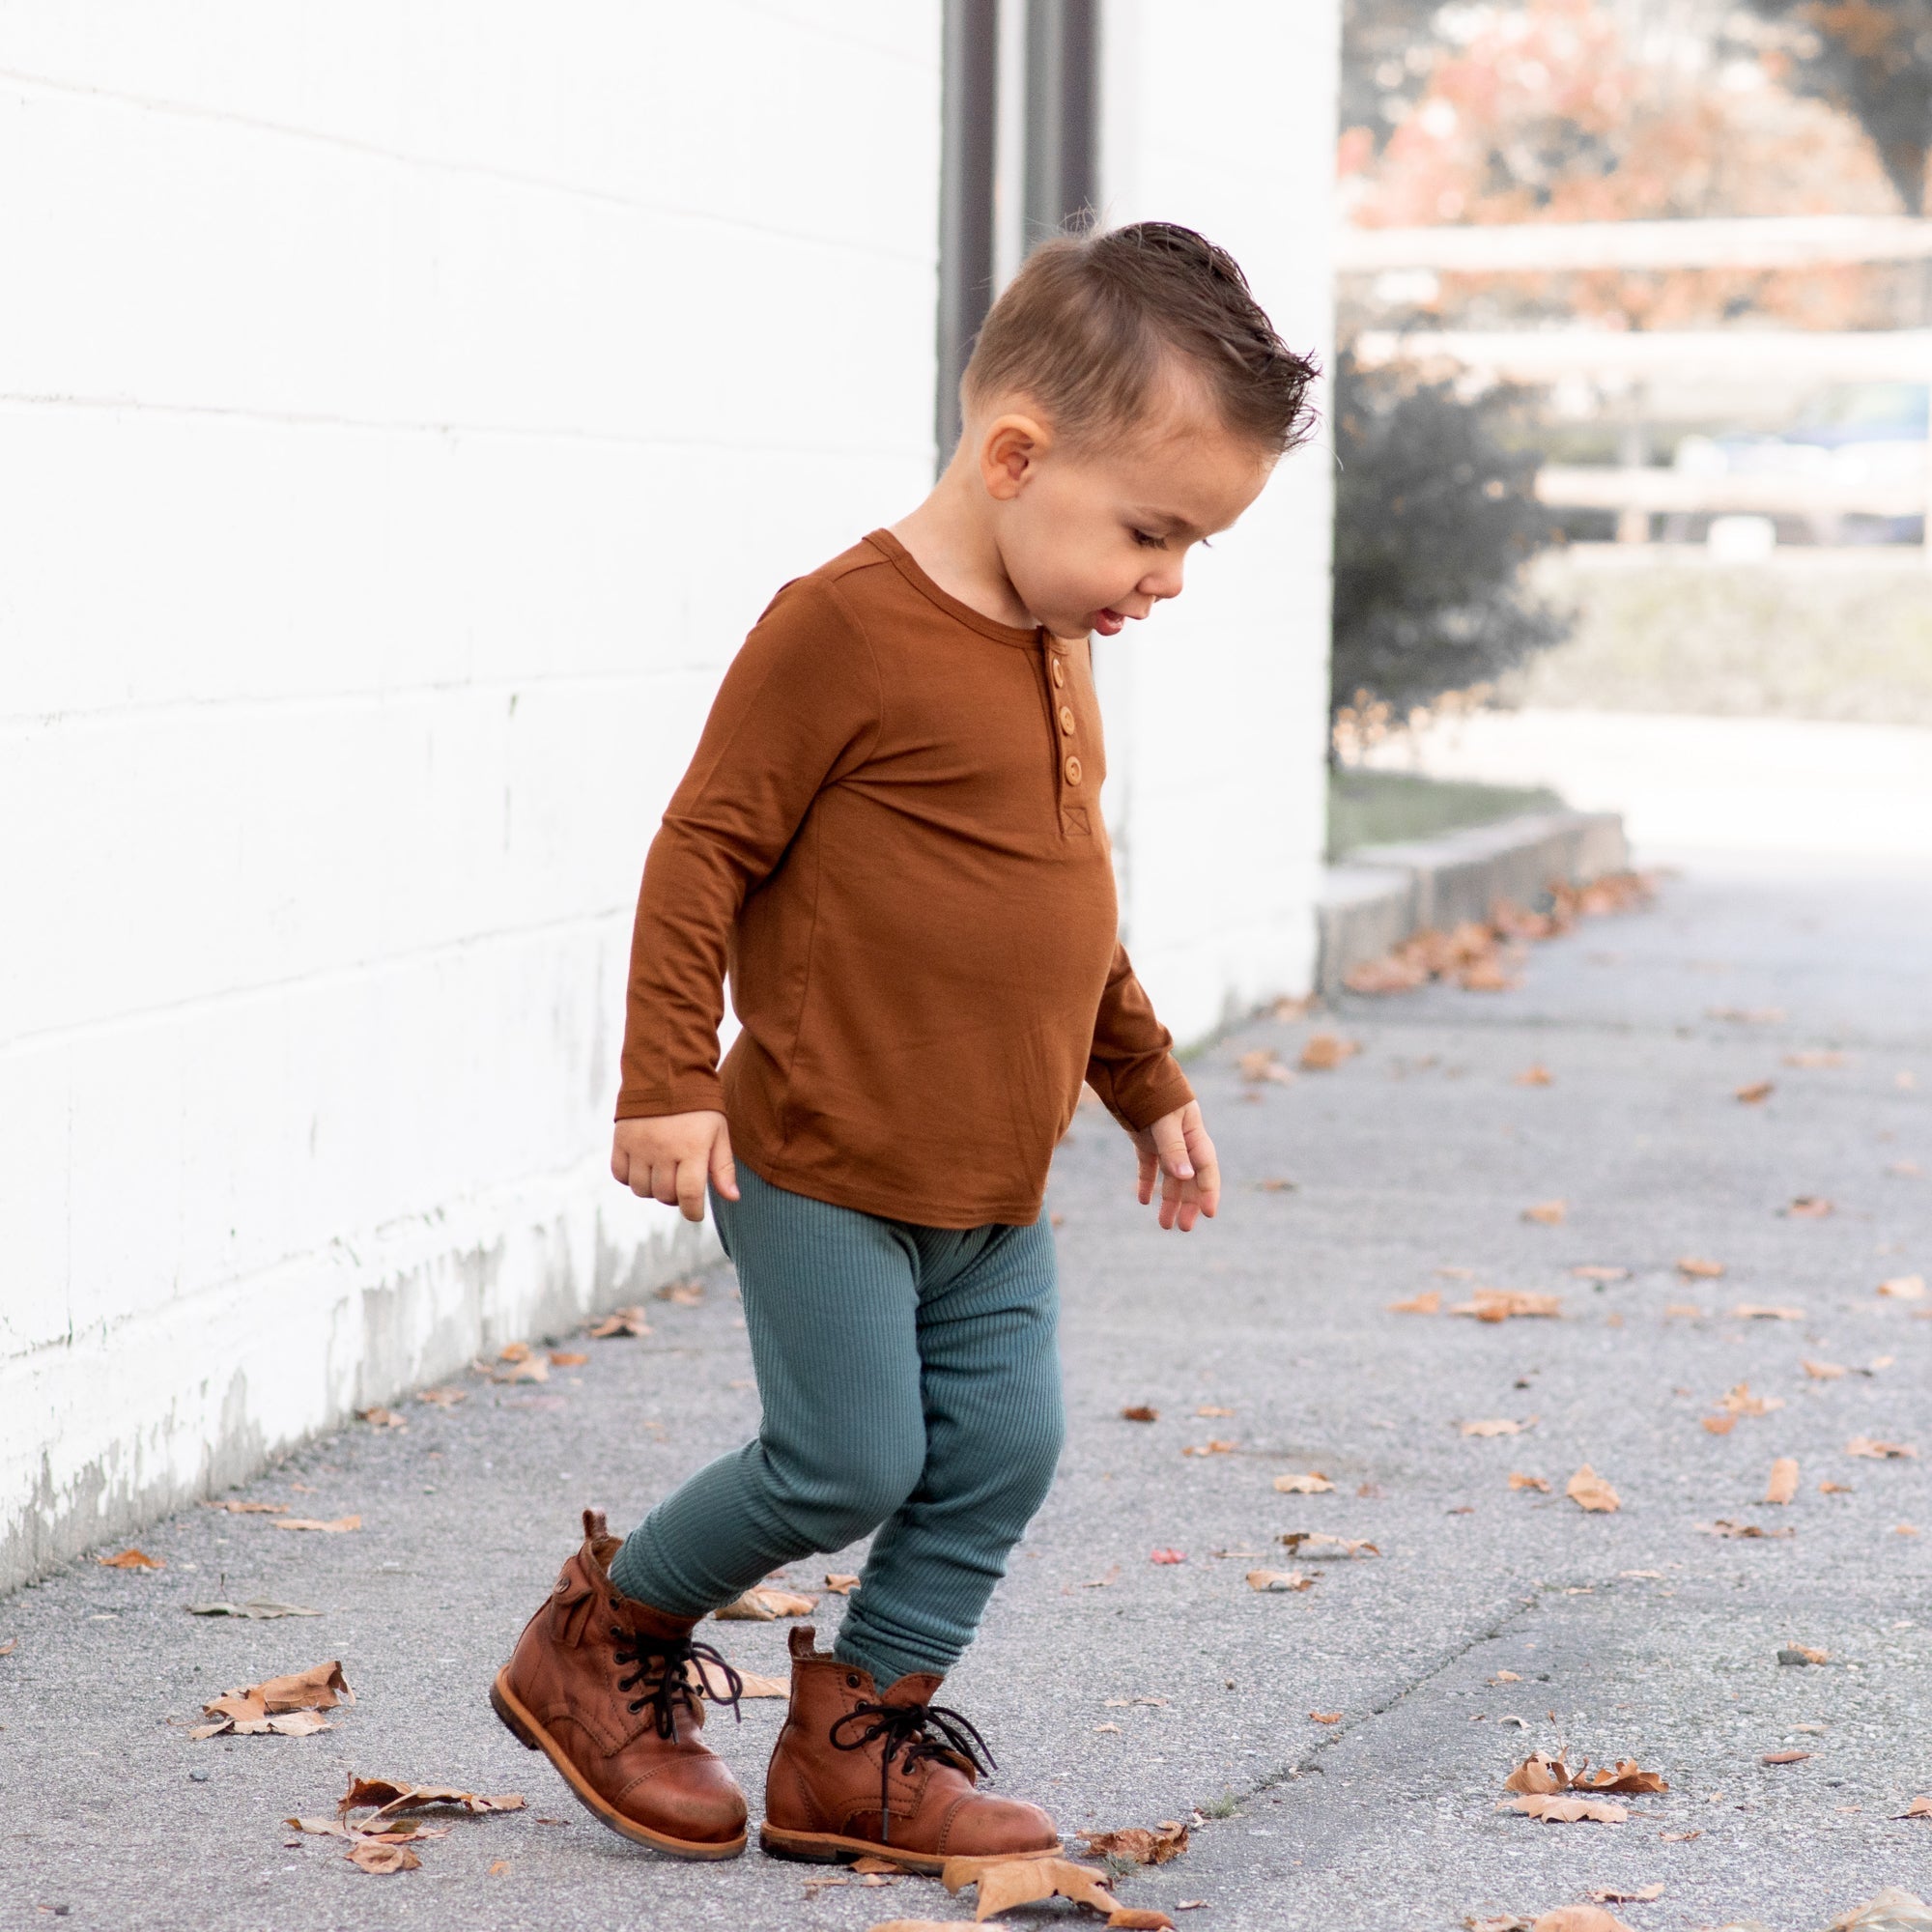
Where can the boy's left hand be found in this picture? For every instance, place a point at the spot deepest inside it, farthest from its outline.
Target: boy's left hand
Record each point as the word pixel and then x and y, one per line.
pixel 1178 1149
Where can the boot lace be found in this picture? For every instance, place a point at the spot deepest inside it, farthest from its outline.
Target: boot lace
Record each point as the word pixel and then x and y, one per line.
pixel 663 1682
pixel 910 1733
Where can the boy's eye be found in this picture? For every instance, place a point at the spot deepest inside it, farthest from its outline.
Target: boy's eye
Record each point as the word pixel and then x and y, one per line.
pixel 1149 541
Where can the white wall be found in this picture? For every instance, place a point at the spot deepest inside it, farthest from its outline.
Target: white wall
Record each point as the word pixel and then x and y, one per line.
pixel 1221 114
pixel 405 407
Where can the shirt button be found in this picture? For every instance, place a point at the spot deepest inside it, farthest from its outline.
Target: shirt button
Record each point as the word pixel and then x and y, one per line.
pixel 1067 719
pixel 1072 770
pixel 1059 672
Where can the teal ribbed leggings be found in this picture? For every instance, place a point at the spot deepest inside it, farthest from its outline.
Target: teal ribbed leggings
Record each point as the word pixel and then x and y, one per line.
pixel 910 1378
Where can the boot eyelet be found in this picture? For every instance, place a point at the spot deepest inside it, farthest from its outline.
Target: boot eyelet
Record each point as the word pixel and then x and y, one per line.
pixel 851 1680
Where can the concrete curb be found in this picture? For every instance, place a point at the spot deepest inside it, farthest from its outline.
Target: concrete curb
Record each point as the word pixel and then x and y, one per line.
pixel 1383 893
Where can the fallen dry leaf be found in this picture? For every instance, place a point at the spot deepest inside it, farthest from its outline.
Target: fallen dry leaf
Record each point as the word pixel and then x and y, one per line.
pixel 1685 1311
pixel 255 1606
pixel 1314 1542
pixel 1920 1807
pixel 1502 1304
pixel 1276 1582
pixel 1581 1918
pixel 498 1868
pixel 391 1798
pixel 234 1508
pixel 1741 1531
pixel 1893 1910
pixel 1277 1184
pixel 1428 1302
pixel 1721 1424
pixel 1753 1311
pixel 620 1321
pixel 1758 1092
pixel 1783 1484
pixel 1212 1408
pixel 131 1559
pixel 374 1857
pixel 1747 1015
pixel 380 1418
pixel 719 1687
pixel 1905 1529
pixel 1550 1213
pixel 567 1359
pixel 763 1605
pixel 1699 1268
pixel 1140 1413
pixel 1809 1207
pixel 1534 1076
pixel 1007 1882
pixel 1800 1653
pixel 1519 1481
pixel 1539 1773
pixel 1388 975
pixel 1835 1489
pixel 8 1648
pixel 1814 1056
pixel 1588 1491
pixel 340 1526
pixel 1563 1810
pixel 682 1293
pixel 1486 976
pixel 1138 1918
pixel 286 1705
pixel 1260 1066
pixel 1499 1425
pixel 1784 1758
pixel 1879 1452
pixel 1324 1052
pixel 1823 1372
pixel 515 1367
pixel 1589 1271
pixel 442 1398
pixel 1145 1846
pixel 1904 1288
pixel 839 1583
pixel 1610 1894
pixel 1740 1401
pixel 1325 1717
pixel 1214 1446
pixel 1313 1484
pixel 1624 1777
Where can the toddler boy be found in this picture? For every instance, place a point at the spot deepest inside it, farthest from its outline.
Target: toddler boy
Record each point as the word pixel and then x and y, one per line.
pixel 891 839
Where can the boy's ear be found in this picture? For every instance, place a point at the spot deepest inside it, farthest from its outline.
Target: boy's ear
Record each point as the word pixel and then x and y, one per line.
pixel 1008 453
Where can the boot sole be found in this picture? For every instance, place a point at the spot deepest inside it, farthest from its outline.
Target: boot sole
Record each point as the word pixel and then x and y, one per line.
pixel 523 1725
pixel 833 1848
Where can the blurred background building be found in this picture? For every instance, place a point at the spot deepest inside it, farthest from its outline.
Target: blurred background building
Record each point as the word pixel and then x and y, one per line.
pixel 407 410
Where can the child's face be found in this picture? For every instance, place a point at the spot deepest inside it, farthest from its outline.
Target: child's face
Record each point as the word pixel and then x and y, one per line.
pixel 1091 539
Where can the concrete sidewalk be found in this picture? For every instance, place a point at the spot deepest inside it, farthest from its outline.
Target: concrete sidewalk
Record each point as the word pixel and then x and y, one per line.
pixel 1121 1692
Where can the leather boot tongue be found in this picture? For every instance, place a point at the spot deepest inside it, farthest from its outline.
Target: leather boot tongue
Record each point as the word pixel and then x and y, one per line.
pixel 919 1687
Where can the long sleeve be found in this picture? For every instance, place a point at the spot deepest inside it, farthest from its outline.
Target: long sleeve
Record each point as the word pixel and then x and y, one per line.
pixel 1132 1066
pixel 799 704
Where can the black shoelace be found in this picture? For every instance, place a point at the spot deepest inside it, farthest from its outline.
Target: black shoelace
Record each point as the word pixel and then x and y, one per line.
pixel 661 1667
pixel 911 1732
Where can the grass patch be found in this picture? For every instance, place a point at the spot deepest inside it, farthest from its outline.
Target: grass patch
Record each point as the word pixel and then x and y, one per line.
pixel 1368 808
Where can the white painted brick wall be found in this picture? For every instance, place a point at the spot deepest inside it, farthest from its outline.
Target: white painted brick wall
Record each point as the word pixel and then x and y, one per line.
pixel 405 407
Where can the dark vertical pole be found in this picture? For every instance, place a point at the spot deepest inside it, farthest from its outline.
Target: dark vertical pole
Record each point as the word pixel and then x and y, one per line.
pixel 967 137
pixel 1062 58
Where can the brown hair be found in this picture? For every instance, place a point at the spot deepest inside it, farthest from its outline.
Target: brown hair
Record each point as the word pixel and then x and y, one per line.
pixel 1084 325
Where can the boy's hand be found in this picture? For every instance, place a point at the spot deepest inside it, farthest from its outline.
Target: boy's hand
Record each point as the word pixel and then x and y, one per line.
pixel 670 1156
pixel 1176 1147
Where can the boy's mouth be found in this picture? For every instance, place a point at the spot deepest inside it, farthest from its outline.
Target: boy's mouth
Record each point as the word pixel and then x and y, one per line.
pixel 1109 622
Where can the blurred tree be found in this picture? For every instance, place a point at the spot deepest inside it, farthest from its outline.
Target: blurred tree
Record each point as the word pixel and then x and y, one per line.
pixel 1436 515
pixel 1872 59
pixel 1389 49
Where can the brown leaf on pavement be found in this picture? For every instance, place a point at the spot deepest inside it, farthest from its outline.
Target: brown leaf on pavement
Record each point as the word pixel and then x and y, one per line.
pixel 1314 1542
pixel 1519 1481
pixel 1145 1846
pixel 1277 1581
pixel 1324 1052
pixel 1893 1910
pixel 281 1704
pixel 1536 1074
pixel 1754 1310
pixel 1698 1268
pixel 8 1648
pixel 1260 1066
pixel 391 1798
pixel 1539 1773
pixel 1784 1758
pixel 567 1359
pixel 763 1605
pixel 1879 1452
pixel 1904 1288
pixel 1814 1056
pixel 1783 1484
pixel 841 1583
pixel 255 1606
pixel 1823 1372
pixel 1486 976
pixel 620 1321
pixel 443 1398
pixel 1920 1807
pixel 682 1293
pixel 234 1508
pixel 1007 1882
pixel 1140 1413
pixel 1213 1446
pixel 1809 1207
pixel 1313 1484
pixel 1683 1310
pixel 380 1418
pixel 1801 1653
pixel 1588 1491
pixel 1325 1717
pixel 131 1559
pixel 1498 1426
pixel 1622 1777
pixel 1428 1302
pixel 1561 1810
pixel 1549 1214
pixel 1581 1918
pixel 1835 1489
pixel 1740 1401
pixel 1721 1424
pixel 1500 1304
pixel 1741 1531
pixel 1758 1092
pixel 340 1526
pixel 1610 1894
pixel 1589 1271
pixel 1212 1408
pixel 1138 1918
pixel 1388 975
pixel 369 1857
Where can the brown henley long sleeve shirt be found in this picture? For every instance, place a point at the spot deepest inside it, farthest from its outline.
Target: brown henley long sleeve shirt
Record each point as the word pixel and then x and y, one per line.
pixel 891 839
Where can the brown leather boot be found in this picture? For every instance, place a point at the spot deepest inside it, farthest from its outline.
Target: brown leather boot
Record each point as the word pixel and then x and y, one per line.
pixel 598 1683
pixel 892 1777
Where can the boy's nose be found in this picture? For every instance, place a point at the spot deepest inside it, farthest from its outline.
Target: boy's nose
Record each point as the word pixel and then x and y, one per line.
pixel 1162 582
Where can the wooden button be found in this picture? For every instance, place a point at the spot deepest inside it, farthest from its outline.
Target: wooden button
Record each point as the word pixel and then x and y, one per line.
pixel 1059 672
pixel 1067 719
pixel 1072 770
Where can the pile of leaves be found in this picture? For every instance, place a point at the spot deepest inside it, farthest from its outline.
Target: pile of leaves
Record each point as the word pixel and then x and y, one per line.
pixel 384 1840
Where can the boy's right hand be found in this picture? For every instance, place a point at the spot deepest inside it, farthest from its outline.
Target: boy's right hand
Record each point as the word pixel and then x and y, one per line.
pixel 670 1156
